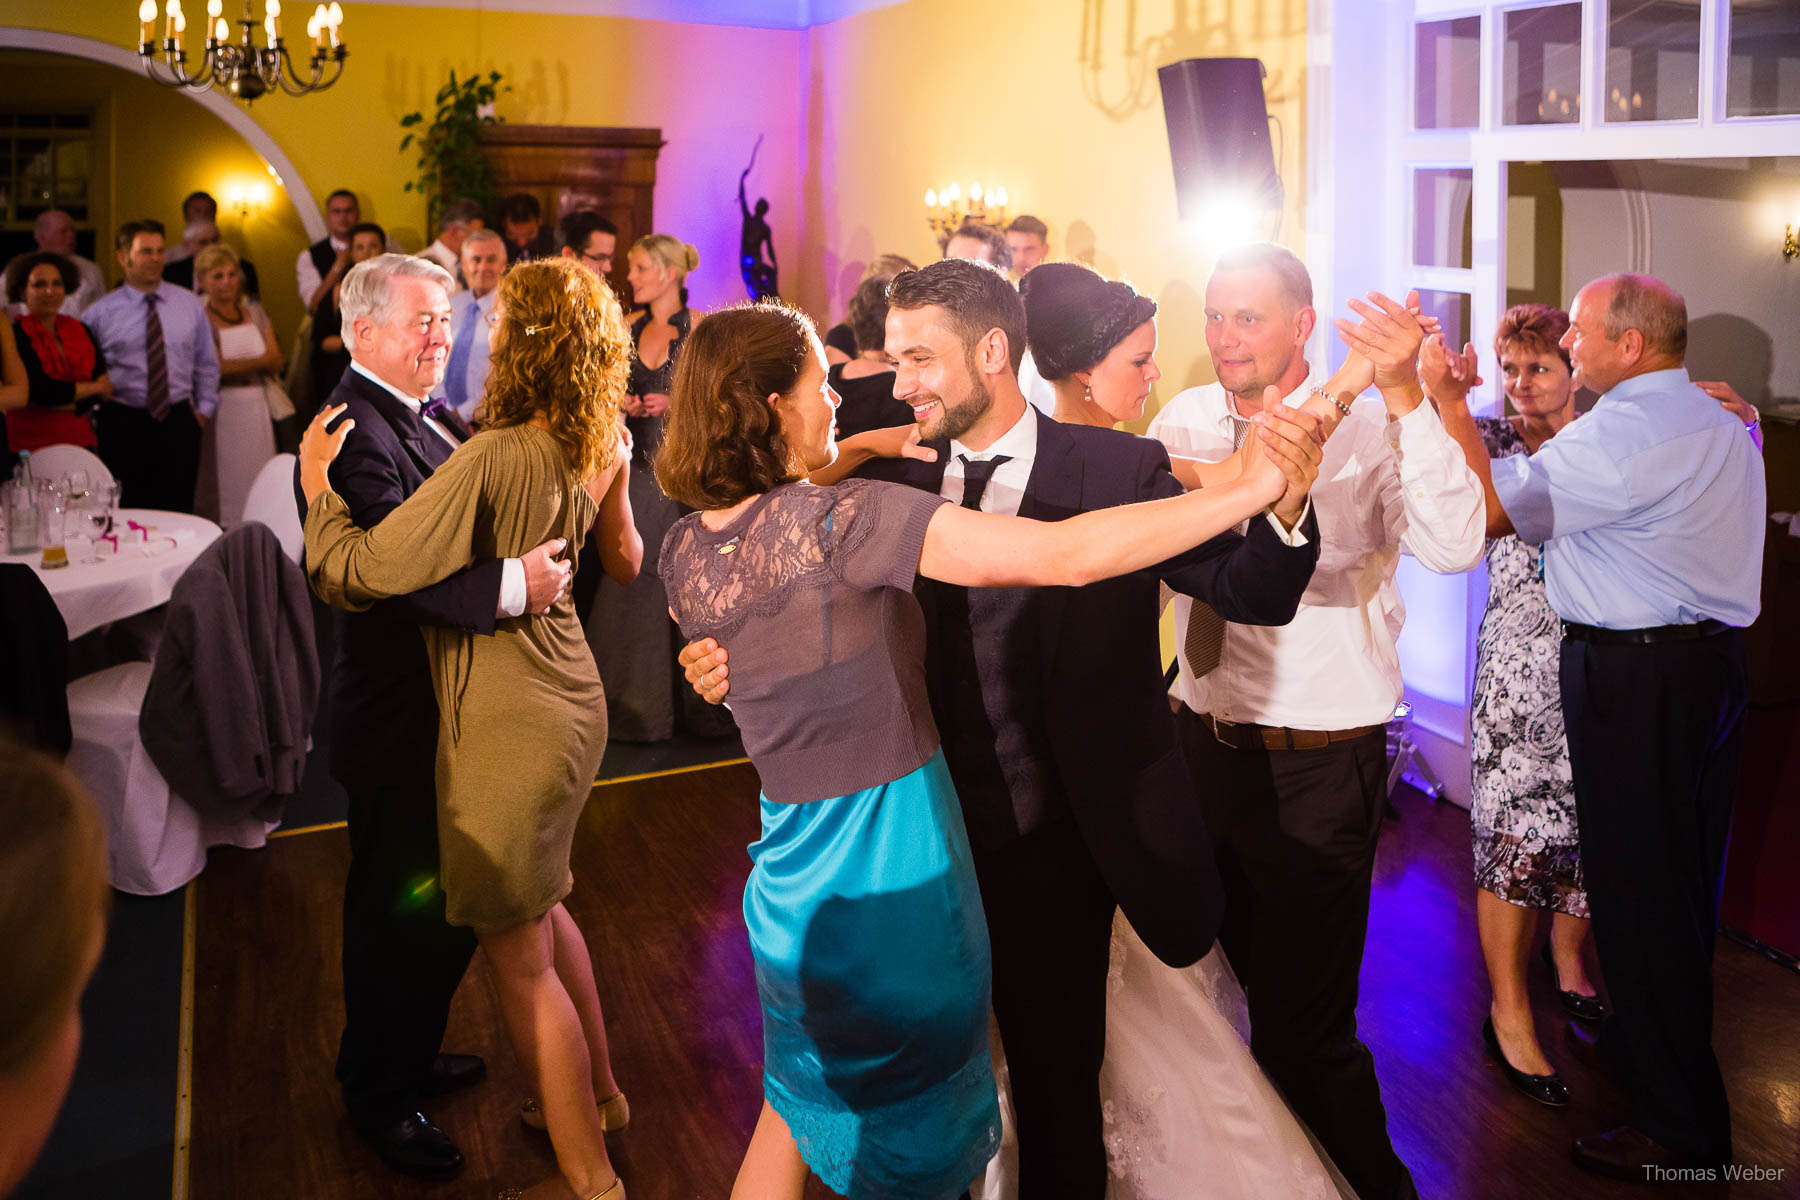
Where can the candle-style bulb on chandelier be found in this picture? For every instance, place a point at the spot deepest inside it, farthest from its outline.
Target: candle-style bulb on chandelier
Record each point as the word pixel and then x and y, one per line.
pixel 242 67
pixel 947 209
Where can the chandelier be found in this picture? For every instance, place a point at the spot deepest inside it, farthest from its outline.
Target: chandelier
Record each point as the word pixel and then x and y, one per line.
pixel 947 210
pixel 242 68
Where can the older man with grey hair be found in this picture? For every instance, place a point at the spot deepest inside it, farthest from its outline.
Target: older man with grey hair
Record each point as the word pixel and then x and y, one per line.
pixel 459 219
pixel 402 960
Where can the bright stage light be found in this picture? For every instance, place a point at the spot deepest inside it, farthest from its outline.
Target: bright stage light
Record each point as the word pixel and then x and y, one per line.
pixel 1229 219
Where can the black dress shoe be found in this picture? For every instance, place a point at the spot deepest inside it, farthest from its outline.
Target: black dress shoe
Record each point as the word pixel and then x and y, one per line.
pixel 414 1146
pixel 1583 1007
pixel 452 1071
pixel 1630 1154
pixel 1545 1089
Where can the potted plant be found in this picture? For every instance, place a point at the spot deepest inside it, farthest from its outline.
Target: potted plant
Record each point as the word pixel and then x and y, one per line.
pixel 451 163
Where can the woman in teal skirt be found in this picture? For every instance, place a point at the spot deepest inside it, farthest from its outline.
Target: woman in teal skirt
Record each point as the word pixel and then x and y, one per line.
pixel 865 921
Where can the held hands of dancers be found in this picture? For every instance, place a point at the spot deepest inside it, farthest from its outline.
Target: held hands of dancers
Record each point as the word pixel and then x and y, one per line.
pixel 1389 336
pixel 1447 375
pixel 319 449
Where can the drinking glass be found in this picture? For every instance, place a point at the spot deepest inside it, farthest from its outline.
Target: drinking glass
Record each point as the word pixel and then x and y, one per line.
pixel 75 486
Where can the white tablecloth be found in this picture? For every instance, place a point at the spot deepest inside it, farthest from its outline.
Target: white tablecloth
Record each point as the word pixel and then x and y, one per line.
pixel 135 579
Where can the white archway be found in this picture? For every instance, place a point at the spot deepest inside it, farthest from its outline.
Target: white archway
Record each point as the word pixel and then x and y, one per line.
pixel 14 38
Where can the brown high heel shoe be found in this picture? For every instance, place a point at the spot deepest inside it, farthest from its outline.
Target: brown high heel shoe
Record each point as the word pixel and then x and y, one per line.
pixel 615 1113
pixel 614 1191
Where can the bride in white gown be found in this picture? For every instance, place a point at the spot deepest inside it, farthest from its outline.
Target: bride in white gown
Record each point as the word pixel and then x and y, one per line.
pixel 1189 1113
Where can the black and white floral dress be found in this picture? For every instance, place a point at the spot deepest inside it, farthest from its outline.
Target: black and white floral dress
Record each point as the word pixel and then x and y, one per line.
pixel 1523 815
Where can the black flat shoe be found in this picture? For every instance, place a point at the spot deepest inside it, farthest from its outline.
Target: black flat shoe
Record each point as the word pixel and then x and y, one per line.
pixel 412 1145
pixel 1582 1007
pixel 1547 1090
pixel 452 1071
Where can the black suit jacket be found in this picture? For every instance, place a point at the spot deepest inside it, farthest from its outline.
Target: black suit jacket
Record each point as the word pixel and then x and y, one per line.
pixel 384 713
pixel 1095 661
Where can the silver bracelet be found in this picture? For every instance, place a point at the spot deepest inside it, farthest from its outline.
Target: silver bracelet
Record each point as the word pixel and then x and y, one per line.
pixel 1341 406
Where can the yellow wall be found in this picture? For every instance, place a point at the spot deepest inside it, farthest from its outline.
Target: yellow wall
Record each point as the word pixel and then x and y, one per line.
pixel 1057 101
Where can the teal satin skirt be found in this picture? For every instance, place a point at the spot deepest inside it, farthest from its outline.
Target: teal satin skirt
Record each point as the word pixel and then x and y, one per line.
pixel 871 953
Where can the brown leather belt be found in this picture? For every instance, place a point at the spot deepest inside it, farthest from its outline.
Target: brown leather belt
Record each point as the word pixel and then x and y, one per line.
pixel 1279 737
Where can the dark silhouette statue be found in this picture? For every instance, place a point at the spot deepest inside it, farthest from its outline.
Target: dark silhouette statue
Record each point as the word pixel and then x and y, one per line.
pixel 759 276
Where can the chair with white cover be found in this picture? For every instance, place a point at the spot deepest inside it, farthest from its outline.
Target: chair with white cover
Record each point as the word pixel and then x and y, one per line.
pixel 54 462
pixel 271 501
pixel 230 700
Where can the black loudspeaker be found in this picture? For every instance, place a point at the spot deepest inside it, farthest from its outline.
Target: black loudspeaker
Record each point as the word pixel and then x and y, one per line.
pixel 1219 132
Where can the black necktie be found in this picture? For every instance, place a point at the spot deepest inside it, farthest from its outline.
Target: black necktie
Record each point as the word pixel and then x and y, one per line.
pixel 976 473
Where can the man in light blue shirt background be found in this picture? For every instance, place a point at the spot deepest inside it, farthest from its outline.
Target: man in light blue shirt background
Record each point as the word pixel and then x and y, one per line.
pixel 465 377
pixel 1651 510
pixel 165 374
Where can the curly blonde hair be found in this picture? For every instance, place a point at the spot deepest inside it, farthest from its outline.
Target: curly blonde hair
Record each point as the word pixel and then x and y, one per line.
pixel 564 352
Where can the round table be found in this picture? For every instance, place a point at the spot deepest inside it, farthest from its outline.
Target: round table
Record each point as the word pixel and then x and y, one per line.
pixel 134 579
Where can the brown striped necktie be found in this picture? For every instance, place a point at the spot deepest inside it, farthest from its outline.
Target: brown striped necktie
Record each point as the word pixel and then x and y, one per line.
pixel 156 362
pixel 1205 642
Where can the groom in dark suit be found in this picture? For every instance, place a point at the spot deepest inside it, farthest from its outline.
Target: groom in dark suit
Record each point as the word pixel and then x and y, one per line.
pixel 1055 722
pixel 402 961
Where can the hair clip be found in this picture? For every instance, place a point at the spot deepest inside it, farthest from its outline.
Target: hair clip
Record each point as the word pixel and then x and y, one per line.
pixel 531 330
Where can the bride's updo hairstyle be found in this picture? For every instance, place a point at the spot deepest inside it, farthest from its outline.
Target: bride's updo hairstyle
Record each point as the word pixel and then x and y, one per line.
pixel 723 442
pixel 1074 316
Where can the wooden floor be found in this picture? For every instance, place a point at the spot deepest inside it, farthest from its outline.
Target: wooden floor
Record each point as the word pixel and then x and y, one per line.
pixel 660 869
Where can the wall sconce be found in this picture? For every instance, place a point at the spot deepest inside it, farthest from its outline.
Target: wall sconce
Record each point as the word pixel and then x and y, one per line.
pixel 245 198
pixel 946 209
pixel 1790 242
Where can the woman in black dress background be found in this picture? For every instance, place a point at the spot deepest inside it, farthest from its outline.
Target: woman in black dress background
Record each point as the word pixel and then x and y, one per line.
pixel 634 641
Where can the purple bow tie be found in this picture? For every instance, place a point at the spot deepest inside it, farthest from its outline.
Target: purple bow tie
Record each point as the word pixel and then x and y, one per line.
pixel 438 410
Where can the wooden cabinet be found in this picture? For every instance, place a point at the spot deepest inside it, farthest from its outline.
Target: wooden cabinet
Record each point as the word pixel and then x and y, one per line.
pixel 610 170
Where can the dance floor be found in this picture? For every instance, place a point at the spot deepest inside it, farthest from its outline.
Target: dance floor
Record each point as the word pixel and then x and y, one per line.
pixel 660 868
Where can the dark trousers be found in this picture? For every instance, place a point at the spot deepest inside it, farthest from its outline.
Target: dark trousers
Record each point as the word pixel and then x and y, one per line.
pixel 157 463
pixel 1050 918
pixel 1655 737
pixel 402 961
pixel 1295 832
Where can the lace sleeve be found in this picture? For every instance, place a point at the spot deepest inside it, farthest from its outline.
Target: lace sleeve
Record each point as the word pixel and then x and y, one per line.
pixel 877 533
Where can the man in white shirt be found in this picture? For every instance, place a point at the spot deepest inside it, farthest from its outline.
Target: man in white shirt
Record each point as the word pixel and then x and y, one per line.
pixel 323 263
pixel 483 263
pixel 54 233
pixel 459 219
pixel 1284 726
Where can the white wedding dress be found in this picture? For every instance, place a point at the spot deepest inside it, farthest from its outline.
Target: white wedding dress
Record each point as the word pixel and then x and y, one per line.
pixel 1189 1115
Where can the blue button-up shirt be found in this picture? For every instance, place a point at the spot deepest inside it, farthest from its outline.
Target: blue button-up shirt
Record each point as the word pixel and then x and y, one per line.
pixel 117 322
pixel 468 351
pixel 1650 508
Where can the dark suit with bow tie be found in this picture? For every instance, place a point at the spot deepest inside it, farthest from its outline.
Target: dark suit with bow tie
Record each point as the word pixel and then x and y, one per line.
pixel 1057 729
pixel 402 961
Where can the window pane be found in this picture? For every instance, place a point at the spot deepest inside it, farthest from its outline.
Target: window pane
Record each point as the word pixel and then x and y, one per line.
pixel 1447 74
pixel 1443 234
pixel 1764 76
pixel 1542 73
pixel 1652 61
pixel 1452 311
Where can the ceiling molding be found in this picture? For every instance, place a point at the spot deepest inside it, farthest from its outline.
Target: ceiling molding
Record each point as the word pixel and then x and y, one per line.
pixel 755 14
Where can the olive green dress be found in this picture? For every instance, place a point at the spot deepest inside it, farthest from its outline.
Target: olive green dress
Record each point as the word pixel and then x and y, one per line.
pixel 521 716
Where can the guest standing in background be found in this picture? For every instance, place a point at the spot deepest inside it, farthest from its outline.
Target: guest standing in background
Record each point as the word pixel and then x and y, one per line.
pixel 54 233
pixel 65 368
pixel 322 264
pixel 458 220
pixel 588 238
pixel 242 437
pixel 195 206
pixel 196 237
pixel 521 221
pixel 330 354
pixel 165 376
pixel 634 641
pixel 1029 240
pixel 483 263
pixel 865 384
pixel 840 340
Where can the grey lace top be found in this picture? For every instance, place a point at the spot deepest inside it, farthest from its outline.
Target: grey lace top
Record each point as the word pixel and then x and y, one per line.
pixel 809 590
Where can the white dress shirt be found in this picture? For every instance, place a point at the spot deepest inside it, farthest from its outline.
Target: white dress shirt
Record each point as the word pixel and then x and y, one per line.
pixel 512 571
pixel 307 276
pixel 446 258
pixel 1384 487
pixel 1006 487
pixel 1040 391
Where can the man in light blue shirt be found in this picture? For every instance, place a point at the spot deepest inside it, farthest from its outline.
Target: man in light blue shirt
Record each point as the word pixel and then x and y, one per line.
pixel 165 375
pixel 1651 511
pixel 471 313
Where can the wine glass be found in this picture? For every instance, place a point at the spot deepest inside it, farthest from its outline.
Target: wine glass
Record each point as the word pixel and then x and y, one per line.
pixel 75 487
pixel 97 514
